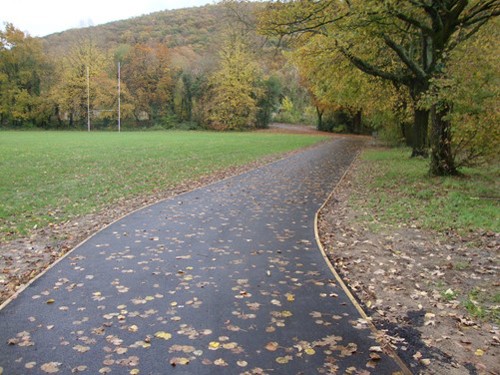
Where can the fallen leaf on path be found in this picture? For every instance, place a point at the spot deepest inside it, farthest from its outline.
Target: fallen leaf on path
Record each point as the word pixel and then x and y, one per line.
pixel 284 360
pixel 272 346
pixel 179 361
pixel 213 345
pixel 220 362
pixel 81 348
pixel 51 367
pixel 163 335
pixel 479 352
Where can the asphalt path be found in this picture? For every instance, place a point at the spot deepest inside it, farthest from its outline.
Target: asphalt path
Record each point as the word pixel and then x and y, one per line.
pixel 226 279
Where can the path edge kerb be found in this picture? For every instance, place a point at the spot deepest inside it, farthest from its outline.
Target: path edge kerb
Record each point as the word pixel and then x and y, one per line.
pixel 340 281
pixel 81 243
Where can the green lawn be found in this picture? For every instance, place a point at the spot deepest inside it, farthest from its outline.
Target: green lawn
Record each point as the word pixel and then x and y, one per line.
pixel 50 177
pixel 402 192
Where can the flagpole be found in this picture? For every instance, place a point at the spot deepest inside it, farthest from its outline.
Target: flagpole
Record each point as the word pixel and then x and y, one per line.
pixel 88 99
pixel 119 112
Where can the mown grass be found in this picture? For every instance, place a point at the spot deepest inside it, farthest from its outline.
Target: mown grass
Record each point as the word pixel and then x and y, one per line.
pixel 50 177
pixel 403 193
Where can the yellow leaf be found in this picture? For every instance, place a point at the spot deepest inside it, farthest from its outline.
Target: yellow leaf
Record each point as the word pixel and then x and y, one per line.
pixel 290 297
pixel 50 301
pixel 310 351
pixel 163 335
pixel 479 352
pixel 213 345
pixel 133 328
pixel 286 314
pixel 230 345
pixel 134 371
pixel 284 360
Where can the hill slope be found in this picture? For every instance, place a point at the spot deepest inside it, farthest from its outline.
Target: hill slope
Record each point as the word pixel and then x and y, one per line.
pixel 197 28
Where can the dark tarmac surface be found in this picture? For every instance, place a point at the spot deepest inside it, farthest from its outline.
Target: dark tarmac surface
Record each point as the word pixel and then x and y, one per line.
pixel 226 279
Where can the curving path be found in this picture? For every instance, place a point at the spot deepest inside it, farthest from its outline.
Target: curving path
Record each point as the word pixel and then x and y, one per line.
pixel 226 279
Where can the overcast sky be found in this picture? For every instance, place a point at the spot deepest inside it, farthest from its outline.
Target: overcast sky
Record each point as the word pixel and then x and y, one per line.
pixel 43 17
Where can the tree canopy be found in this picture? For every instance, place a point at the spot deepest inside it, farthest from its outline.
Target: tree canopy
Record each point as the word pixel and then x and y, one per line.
pixel 406 43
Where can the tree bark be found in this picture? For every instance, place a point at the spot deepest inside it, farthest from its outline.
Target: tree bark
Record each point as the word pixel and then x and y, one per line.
pixel 357 121
pixel 420 128
pixel 320 118
pixel 420 120
pixel 442 160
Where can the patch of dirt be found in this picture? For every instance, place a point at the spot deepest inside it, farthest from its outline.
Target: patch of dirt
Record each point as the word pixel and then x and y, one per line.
pixel 412 284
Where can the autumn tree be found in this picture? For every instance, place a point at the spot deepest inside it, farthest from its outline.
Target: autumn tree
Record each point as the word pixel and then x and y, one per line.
pixel 470 83
pixel 22 67
pixel 406 43
pixel 147 74
pixel 234 89
pixel 345 89
pixel 183 98
pixel 86 81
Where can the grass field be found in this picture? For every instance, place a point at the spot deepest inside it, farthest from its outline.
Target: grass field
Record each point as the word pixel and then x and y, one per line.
pixel 50 177
pixel 404 193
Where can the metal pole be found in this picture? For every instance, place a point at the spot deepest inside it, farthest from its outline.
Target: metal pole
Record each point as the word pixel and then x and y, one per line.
pixel 119 112
pixel 88 99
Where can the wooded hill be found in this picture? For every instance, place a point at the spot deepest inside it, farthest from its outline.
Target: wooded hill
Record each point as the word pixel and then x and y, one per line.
pixel 196 28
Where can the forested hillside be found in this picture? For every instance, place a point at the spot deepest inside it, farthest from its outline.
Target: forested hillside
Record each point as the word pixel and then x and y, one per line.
pixel 196 28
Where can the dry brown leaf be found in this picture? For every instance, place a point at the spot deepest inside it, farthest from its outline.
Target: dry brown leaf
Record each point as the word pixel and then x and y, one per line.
pixel 220 362
pixel 51 367
pixel 272 346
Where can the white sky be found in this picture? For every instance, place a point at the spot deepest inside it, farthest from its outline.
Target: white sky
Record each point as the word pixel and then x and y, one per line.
pixel 43 17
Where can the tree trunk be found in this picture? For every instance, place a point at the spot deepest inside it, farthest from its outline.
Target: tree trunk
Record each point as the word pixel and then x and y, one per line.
pixel 420 128
pixel 442 161
pixel 320 118
pixel 420 120
pixel 357 122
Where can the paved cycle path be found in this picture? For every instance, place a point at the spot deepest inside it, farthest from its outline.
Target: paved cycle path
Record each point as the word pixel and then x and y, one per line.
pixel 226 279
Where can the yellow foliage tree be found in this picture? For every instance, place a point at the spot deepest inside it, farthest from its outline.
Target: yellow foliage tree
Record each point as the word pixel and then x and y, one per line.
pixel 234 89
pixel 404 42
pixel 22 67
pixel 84 83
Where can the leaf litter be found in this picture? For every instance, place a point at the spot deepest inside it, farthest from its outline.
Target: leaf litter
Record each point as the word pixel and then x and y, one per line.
pixel 413 284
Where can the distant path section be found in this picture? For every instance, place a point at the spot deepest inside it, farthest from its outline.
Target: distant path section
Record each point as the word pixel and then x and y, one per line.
pixel 277 127
pixel 226 279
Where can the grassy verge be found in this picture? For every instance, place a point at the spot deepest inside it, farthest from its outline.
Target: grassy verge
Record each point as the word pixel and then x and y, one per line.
pixel 394 191
pixel 403 194
pixel 50 177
